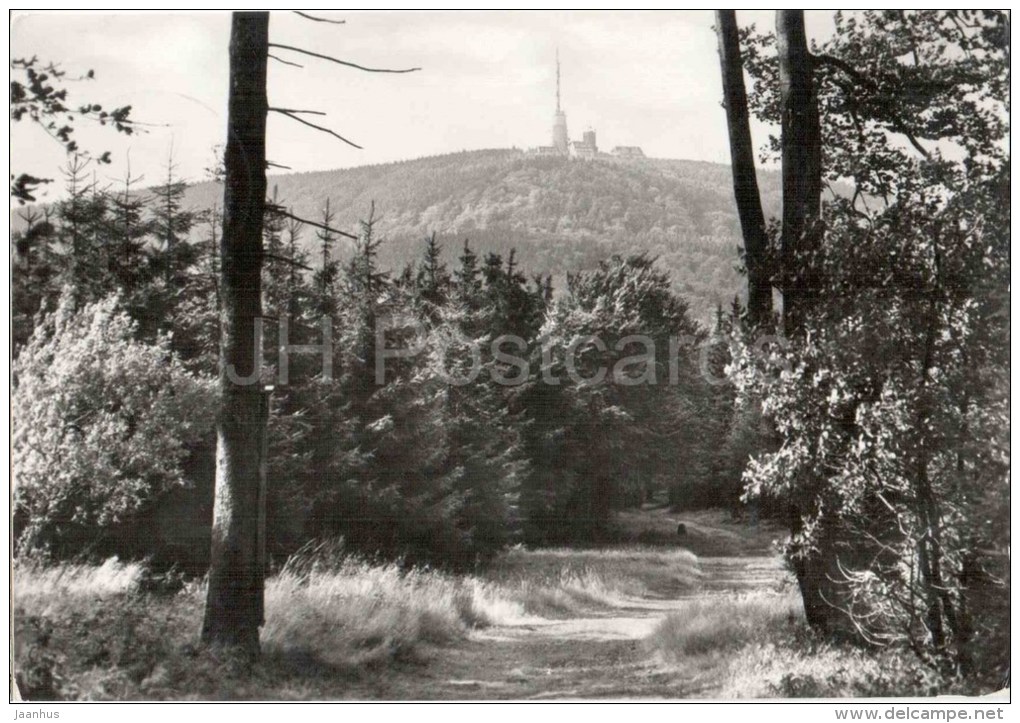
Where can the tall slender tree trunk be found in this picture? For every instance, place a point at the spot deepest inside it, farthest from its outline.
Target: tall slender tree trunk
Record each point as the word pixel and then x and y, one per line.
pixel 745 181
pixel 802 168
pixel 801 151
pixel 234 606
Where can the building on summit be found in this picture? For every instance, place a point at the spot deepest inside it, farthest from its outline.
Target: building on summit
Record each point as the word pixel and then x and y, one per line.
pixel 586 148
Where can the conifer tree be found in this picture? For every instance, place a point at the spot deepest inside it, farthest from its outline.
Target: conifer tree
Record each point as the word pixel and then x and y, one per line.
pixel 33 279
pixel 173 255
pixel 327 276
pixel 432 279
pixel 80 217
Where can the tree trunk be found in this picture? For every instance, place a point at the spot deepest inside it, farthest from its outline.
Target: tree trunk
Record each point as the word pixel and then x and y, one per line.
pixel 745 182
pixel 801 152
pixel 802 169
pixel 234 606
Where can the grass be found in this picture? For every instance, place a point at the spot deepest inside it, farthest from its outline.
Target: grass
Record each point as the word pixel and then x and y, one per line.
pixel 336 622
pixel 725 623
pixel 759 646
pixel 562 580
pixel 91 632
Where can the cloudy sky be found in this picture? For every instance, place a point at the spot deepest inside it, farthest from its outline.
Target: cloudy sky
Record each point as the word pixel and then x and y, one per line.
pixel 488 80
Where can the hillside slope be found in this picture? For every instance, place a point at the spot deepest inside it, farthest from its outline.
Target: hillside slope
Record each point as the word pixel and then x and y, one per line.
pixel 561 215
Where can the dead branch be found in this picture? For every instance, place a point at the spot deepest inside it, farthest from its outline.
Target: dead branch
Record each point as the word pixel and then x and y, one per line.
pixel 285 62
pixel 284 259
pixel 298 110
pixel 306 16
pixel 316 127
pixel 281 211
pixel 341 62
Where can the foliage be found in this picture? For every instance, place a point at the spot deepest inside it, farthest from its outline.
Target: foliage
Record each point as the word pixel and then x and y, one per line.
pixel 37 95
pixel 891 407
pixel 561 216
pixel 34 272
pixel 101 426
pixel 438 461
pixel 603 397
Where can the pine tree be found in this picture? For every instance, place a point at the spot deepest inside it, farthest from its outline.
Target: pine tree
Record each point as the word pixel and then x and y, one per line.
pixel 432 280
pixel 80 217
pixel 199 304
pixel 327 277
pixel 598 445
pixel 34 272
pixel 467 279
pixel 173 255
pixel 128 231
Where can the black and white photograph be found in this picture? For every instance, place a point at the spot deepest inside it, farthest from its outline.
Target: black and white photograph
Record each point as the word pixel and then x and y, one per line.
pixel 510 356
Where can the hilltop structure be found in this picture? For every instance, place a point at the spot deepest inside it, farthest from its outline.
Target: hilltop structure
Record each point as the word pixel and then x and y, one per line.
pixel 560 136
pixel 587 148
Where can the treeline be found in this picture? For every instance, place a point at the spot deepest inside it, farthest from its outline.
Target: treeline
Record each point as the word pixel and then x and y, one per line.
pixel 436 414
pixel 560 215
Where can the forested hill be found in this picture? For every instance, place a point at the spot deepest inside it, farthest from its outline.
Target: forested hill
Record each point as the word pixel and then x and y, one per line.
pixel 561 215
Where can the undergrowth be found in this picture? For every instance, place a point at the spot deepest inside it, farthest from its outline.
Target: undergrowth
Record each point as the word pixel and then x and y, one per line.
pixel 106 632
pixel 759 646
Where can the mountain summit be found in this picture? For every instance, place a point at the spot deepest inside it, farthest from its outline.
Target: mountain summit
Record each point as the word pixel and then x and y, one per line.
pixel 560 214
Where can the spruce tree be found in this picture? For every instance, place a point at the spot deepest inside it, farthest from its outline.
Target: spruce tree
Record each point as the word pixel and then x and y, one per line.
pixel 34 272
pixel 80 217
pixel 173 255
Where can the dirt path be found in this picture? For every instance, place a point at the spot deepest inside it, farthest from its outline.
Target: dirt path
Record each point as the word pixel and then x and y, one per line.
pixel 599 656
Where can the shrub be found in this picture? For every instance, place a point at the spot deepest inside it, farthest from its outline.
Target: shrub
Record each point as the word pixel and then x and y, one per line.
pixel 101 426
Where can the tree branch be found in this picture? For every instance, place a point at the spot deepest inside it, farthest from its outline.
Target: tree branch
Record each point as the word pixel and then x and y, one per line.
pixel 278 165
pixel 319 128
pixel 284 259
pixel 306 16
pixel 285 62
pixel 341 62
pixel 859 77
pixel 281 211
pixel 297 110
pixel 823 59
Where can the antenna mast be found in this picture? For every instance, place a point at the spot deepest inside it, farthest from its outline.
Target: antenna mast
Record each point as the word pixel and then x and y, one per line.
pixel 557 80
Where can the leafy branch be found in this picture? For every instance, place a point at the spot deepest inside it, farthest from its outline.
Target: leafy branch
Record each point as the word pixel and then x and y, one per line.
pixel 38 98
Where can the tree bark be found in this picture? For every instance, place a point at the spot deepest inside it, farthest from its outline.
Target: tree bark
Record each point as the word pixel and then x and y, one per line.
pixel 802 169
pixel 801 151
pixel 234 606
pixel 745 181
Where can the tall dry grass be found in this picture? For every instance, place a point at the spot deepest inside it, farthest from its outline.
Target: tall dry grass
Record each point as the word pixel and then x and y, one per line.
pixel 92 632
pixel 556 581
pixel 724 623
pixel 759 646
pixel 355 613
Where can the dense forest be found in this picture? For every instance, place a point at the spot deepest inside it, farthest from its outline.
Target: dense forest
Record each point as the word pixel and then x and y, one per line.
pixel 558 216
pixel 401 463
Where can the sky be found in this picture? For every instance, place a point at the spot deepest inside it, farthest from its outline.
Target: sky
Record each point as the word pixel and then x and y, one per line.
pixel 648 79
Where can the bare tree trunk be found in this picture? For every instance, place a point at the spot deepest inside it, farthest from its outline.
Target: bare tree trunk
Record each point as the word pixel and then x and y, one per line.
pixel 745 182
pixel 234 606
pixel 802 168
